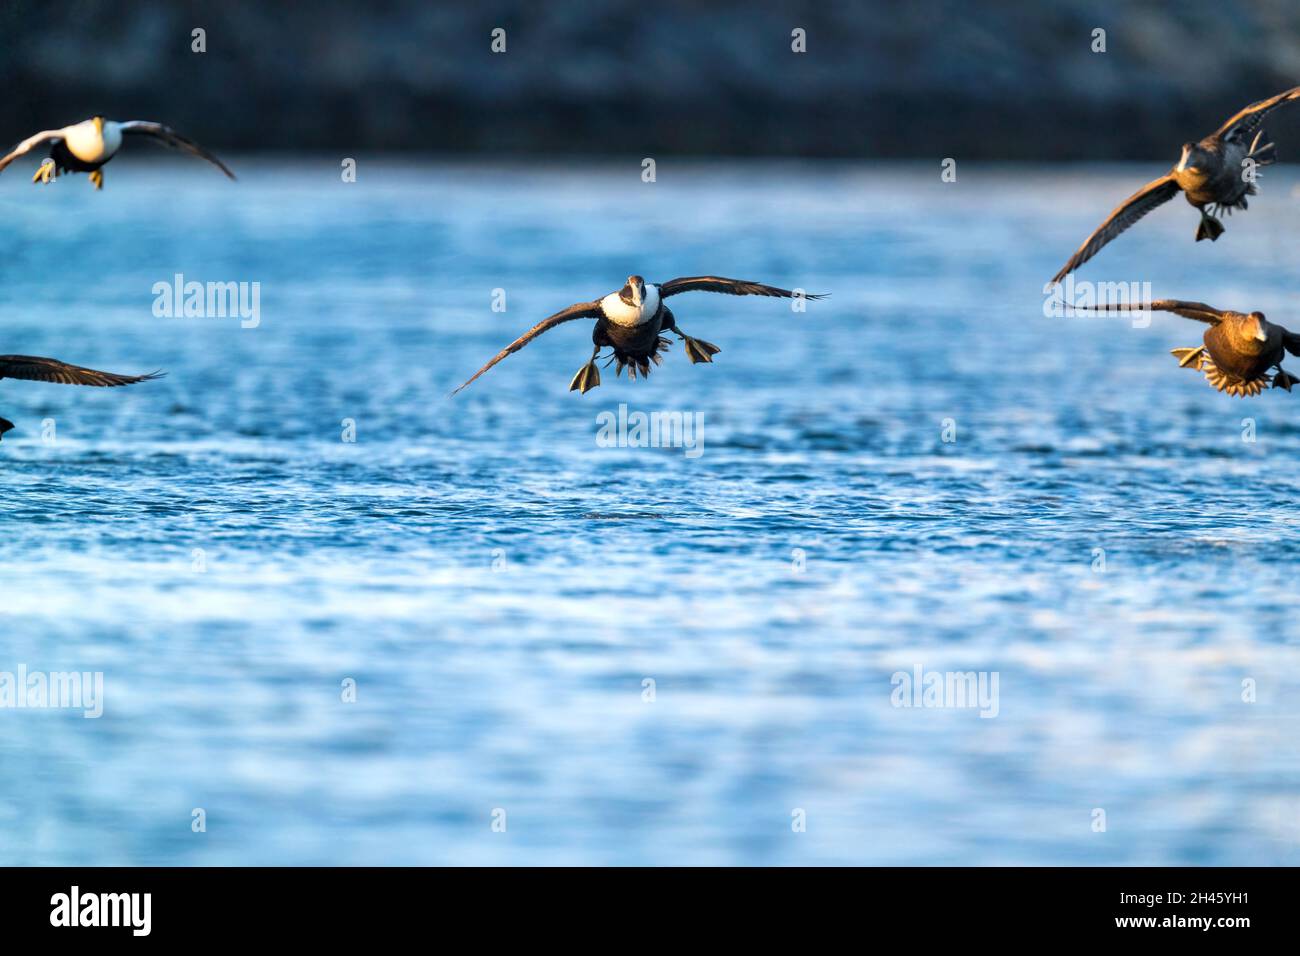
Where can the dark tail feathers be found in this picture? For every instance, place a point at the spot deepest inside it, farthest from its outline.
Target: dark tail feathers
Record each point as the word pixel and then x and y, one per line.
pixel 1265 155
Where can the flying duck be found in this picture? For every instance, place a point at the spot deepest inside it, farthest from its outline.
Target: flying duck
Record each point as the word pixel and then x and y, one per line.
pixel 629 322
pixel 1239 349
pixel 1210 175
pixel 85 147
pixel 52 370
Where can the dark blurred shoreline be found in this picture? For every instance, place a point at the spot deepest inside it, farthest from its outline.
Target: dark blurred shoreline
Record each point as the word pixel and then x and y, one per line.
pixel 985 80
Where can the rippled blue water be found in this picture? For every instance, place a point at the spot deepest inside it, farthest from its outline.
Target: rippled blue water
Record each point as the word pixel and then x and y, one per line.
pixel 500 586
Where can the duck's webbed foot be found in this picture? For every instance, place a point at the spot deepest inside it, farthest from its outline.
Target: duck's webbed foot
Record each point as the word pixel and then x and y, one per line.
pixel 1210 228
pixel 1284 379
pixel 588 376
pixel 697 350
pixel 46 172
pixel 5 425
pixel 97 178
pixel 1189 358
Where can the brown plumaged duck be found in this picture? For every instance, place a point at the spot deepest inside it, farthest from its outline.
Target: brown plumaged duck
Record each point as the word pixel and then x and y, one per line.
pixel 1239 348
pixel 1215 175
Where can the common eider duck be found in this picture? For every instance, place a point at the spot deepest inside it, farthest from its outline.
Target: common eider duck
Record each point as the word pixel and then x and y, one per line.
pixel 85 147
pixel 1238 350
pixel 630 322
pixel 35 369
pixel 1211 175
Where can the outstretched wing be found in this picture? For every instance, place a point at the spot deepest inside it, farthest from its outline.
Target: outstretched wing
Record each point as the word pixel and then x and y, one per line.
pixel 1244 124
pixel 727 287
pixel 35 369
pixel 169 137
pixel 48 136
pixel 1191 310
pixel 1128 212
pixel 1291 342
pixel 580 310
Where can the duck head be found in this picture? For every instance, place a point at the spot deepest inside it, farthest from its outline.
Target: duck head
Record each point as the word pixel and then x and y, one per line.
pixel 1257 326
pixel 634 292
pixel 1193 160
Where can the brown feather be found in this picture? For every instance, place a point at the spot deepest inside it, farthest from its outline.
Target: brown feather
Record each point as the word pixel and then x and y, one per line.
pixel 727 287
pixel 35 369
pixel 580 310
pixel 169 137
pixel 1153 194
pixel 1248 120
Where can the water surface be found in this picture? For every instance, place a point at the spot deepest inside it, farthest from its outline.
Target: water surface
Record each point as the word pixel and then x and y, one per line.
pixel 501 588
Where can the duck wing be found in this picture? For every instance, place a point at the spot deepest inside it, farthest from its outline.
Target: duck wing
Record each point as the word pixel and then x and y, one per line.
pixel 169 137
pixel 1291 342
pixel 35 369
pixel 1153 194
pixel 727 287
pixel 579 310
pixel 1191 310
pixel 26 146
pixel 1243 125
